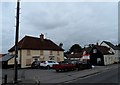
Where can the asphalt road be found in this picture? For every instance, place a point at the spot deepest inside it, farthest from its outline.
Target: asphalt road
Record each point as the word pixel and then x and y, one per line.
pixel 109 76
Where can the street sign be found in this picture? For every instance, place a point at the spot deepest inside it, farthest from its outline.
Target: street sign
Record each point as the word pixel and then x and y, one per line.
pixel 86 57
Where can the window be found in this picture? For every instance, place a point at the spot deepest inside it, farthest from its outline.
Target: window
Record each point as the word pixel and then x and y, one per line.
pixel 42 61
pixel 35 58
pixel 41 52
pixel 58 59
pixel 50 62
pixel 58 53
pixel 51 52
pixel 28 52
pixel 94 50
pixel 51 57
pixel 110 51
pixel 28 62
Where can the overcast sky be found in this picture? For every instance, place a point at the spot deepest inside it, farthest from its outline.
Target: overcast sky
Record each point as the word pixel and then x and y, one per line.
pixel 67 22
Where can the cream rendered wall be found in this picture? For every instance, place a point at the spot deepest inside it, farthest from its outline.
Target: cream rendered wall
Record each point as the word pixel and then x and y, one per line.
pixel 34 53
pixel 60 56
pixel 109 59
pixel 54 53
pixel 45 56
pixel 23 58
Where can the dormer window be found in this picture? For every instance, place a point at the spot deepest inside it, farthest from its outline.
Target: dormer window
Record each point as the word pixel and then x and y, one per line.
pixel 94 50
pixel 110 51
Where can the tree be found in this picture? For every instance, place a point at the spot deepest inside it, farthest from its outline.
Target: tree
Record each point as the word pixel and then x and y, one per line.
pixel 66 54
pixel 75 48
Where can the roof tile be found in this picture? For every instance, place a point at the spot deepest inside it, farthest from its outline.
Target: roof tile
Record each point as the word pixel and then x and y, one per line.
pixel 34 43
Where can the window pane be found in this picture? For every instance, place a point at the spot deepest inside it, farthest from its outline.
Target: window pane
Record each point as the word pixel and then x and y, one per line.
pixel 28 52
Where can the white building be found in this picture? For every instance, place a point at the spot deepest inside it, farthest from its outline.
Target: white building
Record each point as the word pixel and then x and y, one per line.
pixel 114 49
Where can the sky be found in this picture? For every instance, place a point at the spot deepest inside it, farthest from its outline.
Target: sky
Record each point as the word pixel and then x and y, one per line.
pixel 69 23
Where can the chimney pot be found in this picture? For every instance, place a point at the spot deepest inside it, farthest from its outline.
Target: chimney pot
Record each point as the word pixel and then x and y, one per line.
pixel 42 37
pixel 97 43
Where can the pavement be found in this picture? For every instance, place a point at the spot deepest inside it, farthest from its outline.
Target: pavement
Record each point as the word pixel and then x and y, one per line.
pixel 37 76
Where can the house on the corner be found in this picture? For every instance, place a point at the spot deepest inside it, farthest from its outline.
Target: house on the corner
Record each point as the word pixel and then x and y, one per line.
pixel 33 48
pixel 115 49
pixel 100 55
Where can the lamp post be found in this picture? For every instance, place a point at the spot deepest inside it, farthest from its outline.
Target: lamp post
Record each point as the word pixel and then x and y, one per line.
pixel 16 44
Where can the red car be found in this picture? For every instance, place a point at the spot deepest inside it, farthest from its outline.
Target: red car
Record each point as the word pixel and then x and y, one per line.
pixel 64 66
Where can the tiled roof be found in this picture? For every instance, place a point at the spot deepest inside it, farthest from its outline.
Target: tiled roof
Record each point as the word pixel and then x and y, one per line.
pixel 76 55
pixel 34 43
pixel 88 49
pixel 103 49
pixel 110 44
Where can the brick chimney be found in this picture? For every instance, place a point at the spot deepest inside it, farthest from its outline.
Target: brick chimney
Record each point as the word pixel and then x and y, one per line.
pixel 42 37
pixel 97 43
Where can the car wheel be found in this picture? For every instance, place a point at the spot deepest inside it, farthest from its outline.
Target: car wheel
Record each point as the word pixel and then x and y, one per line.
pixel 38 67
pixel 48 67
pixel 57 70
pixel 65 70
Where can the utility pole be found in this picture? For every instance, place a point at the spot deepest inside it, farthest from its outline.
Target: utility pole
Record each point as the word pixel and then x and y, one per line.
pixel 16 43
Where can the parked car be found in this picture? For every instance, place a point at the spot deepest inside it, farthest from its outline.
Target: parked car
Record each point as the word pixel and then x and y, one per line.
pixel 64 66
pixel 83 65
pixel 48 64
pixel 63 62
pixel 36 64
pixel 74 61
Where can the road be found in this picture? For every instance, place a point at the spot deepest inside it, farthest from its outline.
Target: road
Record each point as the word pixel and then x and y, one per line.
pixel 109 76
pixel 104 74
